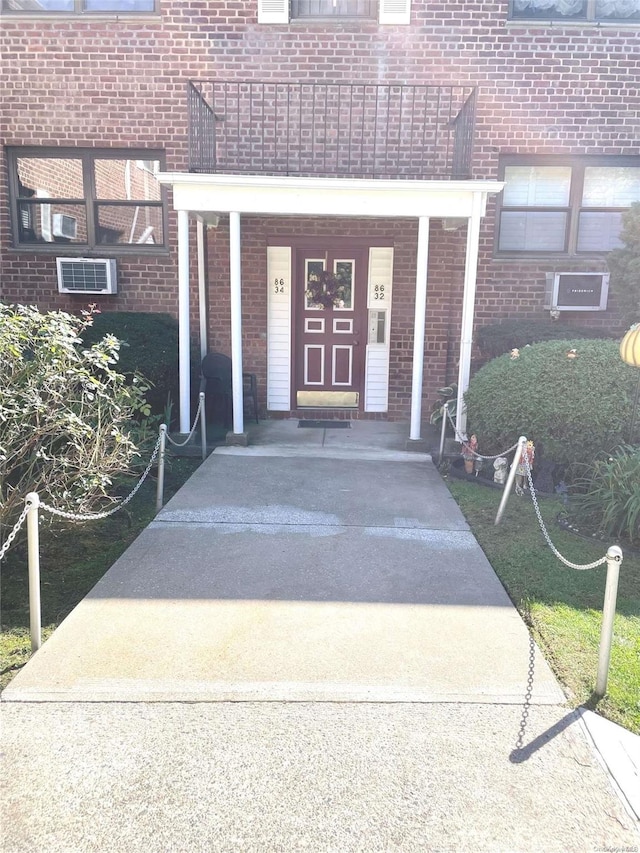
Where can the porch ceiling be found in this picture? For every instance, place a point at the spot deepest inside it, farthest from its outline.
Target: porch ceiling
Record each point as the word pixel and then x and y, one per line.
pixel 287 196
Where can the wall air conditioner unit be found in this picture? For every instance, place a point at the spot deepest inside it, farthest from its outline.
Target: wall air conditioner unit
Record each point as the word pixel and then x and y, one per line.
pixel 87 275
pixel 64 225
pixel 576 291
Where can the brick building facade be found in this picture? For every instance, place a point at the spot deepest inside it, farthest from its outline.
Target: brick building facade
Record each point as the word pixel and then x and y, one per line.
pixel 557 116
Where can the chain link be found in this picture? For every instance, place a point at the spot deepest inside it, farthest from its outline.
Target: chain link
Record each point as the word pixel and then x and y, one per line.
pixel 72 516
pixel 193 429
pixel 545 533
pixel 473 452
pixel 16 527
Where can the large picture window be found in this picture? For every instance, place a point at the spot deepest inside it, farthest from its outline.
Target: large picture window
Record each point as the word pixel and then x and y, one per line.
pixel 561 206
pixel 576 10
pixel 87 198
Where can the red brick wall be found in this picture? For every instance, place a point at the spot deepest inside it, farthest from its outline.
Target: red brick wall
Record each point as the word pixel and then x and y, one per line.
pixel 121 83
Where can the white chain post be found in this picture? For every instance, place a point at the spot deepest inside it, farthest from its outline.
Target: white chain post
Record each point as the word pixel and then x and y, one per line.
pixel 445 415
pixel 35 620
pixel 614 559
pixel 511 478
pixel 161 455
pixel 203 426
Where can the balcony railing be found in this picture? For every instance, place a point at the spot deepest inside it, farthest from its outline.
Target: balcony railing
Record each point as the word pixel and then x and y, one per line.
pixel 331 129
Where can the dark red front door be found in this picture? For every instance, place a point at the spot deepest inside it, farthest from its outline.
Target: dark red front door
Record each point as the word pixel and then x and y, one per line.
pixel 330 327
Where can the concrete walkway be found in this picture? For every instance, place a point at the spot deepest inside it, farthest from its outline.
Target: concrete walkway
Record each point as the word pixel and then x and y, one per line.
pixel 306 650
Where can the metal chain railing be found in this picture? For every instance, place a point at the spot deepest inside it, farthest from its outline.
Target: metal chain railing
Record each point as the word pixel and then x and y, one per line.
pixel 8 542
pixel 193 428
pixel 545 532
pixel 465 441
pixel 73 516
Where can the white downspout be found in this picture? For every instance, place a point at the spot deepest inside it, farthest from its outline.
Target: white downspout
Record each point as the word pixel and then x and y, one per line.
pixel 236 322
pixel 418 328
pixel 468 308
pixel 202 291
pixel 183 321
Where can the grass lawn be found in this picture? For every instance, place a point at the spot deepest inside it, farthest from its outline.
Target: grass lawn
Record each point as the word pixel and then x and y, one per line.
pixel 562 606
pixel 72 561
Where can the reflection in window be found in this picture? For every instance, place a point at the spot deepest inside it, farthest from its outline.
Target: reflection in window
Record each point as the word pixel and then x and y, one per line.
pixel 343 271
pixel 313 271
pixel 87 199
pixel 126 224
pixel 62 177
pixel 127 180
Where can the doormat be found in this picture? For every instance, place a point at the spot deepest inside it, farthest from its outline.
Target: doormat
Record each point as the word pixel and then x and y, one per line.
pixel 309 424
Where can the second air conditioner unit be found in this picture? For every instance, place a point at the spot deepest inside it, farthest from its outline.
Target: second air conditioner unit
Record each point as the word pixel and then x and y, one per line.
pixel 576 291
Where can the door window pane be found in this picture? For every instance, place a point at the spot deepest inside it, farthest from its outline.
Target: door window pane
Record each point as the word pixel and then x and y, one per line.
pixel 537 186
pixel 129 224
pixel 343 271
pixel 606 186
pixel 313 270
pixel 50 176
pixel 127 180
pixel 521 231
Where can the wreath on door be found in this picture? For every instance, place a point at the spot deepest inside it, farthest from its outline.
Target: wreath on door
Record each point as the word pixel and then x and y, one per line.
pixel 326 289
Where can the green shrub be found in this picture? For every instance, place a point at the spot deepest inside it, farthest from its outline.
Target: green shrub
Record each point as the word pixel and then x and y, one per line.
pixel 64 412
pixel 575 407
pixel 502 337
pixel 149 347
pixel 609 496
pixel 624 265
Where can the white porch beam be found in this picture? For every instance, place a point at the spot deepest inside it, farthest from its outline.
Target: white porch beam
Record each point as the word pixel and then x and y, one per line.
pixel 418 328
pixel 184 368
pixel 202 290
pixel 236 322
pixel 288 196
pixel 468 308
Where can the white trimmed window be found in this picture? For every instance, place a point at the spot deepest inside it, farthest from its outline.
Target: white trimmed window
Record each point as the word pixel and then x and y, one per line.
pixel 562 206
pixel 392 12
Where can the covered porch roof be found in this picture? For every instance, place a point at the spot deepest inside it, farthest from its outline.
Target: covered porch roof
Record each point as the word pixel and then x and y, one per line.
pixel 321 196
pixel 200 195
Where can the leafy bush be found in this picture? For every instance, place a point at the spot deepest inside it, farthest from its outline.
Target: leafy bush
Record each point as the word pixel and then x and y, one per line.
pixel 575 407
pixel 149 347
pixel 624 265
pixel 64 412
pixel 609 496
pixel 502 337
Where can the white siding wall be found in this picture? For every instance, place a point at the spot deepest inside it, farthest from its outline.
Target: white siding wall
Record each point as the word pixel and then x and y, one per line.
pixel 279 328
pixel 376 390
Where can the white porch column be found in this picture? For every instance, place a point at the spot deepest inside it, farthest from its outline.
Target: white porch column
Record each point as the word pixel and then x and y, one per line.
pixel 468 308
pixel 418 327
pixel 183 321
pixel 236 322
pixel 202 290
